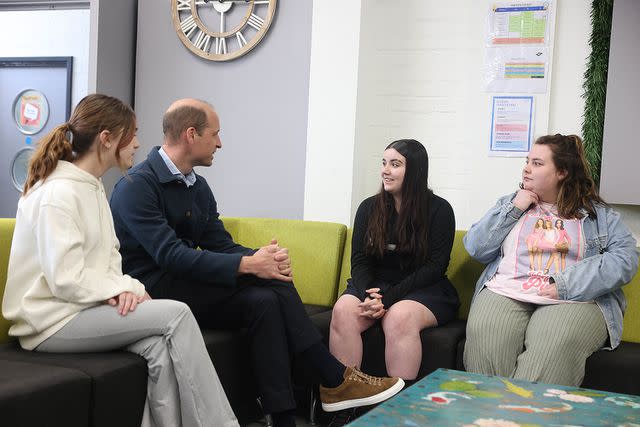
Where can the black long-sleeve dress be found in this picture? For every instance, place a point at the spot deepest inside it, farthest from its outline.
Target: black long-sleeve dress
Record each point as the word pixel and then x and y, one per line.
pixel 394 274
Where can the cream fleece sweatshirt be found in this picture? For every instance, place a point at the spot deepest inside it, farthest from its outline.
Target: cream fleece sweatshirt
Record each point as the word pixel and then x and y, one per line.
pixel 64 255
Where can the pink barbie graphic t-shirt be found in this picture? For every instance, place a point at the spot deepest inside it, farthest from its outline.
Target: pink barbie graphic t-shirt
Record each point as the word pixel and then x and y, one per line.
pixel 539 245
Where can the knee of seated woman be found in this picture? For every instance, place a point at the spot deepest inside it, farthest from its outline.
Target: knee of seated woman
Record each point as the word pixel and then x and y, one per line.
pixel 345 319
pixel 168 305
pixel 400 324
pixel 495 327
pixel 411 314
pixel 489 340
pixel 347 305
pixel 176 308
pixel 558 346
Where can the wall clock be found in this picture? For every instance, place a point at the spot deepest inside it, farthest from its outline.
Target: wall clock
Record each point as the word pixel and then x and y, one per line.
pixel 221 30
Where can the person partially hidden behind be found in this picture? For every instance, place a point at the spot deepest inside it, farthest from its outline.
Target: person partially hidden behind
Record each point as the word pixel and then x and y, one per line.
pixel 65 289
pixel 540 321
pixel 173 241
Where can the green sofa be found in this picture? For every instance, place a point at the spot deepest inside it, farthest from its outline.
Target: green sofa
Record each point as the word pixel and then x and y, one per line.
pixel 95 381
pixel 320 254
pixel 616 371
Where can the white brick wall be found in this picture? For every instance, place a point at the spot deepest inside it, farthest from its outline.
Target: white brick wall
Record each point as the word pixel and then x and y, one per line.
pixel 420 76
pixel 420 68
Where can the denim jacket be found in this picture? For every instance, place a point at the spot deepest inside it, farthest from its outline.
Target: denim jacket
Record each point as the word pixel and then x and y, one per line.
pixel 610 259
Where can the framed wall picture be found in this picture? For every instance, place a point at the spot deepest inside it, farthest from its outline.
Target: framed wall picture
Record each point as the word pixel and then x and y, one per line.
pixel 35 96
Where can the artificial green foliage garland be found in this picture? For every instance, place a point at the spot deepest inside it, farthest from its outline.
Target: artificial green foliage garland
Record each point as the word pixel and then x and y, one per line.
pixel 595 84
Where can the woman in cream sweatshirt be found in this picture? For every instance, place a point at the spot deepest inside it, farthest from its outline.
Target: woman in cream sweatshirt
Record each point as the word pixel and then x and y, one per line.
pixel 65 289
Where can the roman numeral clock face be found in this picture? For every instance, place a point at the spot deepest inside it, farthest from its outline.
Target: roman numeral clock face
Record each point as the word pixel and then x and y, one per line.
pixel 220 30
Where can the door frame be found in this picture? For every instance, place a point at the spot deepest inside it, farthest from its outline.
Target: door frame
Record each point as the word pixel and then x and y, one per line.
pixel 44 62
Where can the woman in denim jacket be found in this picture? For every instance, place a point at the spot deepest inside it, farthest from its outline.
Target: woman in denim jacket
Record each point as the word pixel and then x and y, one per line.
pixel 541 322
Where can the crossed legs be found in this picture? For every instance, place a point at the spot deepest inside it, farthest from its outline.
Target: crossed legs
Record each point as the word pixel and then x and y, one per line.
pixel 276 321
pixel 183 386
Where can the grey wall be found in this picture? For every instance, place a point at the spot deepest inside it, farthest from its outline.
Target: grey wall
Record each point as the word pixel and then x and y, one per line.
pixel 115 46
pixel 620 181
pixel 112 55
pixel 261 98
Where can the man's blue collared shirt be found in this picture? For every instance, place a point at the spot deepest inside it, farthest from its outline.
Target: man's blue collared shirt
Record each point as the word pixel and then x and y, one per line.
pixel 188 179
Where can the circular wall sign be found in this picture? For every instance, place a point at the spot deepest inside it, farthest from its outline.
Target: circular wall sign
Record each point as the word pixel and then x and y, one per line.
pixel 30 111
pixel 19 167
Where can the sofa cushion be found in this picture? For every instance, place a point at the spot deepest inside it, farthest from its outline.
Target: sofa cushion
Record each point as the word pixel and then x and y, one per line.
pixel 463 272
pixel 616 371
pixel 118 381
pixel 345 268
pixel 315 249
pixel 460 355
pixel 39 395
pixel 312 310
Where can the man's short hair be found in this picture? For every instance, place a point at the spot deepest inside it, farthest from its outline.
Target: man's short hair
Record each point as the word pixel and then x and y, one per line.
pixel 178 119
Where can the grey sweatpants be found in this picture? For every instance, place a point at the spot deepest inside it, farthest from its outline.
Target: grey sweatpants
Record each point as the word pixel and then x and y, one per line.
pixel 183 387
pixel 545 343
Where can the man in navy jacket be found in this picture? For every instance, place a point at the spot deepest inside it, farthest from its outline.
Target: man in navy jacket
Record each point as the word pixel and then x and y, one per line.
pixel 172 240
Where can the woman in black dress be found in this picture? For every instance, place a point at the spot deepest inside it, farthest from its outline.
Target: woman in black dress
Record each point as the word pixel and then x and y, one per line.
pixel 402 239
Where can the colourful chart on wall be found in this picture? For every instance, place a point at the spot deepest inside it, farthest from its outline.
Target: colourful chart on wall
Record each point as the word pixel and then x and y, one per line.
pixel 519 69
pixel 514 23
pixel 30 111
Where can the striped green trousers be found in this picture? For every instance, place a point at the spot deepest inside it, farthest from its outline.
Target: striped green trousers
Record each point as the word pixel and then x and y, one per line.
pixel 544 343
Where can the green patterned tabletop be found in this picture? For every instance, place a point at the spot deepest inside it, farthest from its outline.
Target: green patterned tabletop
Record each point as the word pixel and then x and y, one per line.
pixel 454 398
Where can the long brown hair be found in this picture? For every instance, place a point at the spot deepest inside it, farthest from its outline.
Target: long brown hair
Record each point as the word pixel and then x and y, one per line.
pixel 412 224
pixel 93 114
pixel 577 190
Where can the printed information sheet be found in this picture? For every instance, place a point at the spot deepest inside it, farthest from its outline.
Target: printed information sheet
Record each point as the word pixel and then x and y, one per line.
pixel 511 126
pixel 516 69
pixel 519 23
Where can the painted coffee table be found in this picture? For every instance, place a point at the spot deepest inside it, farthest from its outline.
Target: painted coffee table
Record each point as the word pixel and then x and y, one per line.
pixel 455 398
